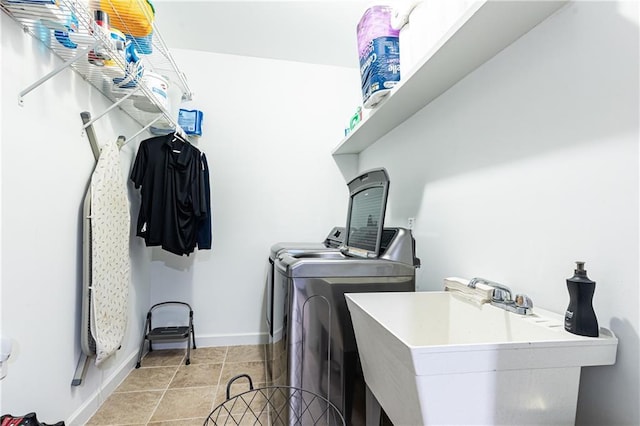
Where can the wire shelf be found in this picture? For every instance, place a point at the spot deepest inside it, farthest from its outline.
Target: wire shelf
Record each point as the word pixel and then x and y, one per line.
pixel 51 24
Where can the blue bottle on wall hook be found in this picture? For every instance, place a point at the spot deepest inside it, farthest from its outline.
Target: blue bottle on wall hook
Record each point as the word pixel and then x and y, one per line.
pixel 580 318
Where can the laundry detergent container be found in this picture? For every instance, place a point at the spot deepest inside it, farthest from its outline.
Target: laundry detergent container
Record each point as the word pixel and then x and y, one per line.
pixel 379 53
pixel 133 17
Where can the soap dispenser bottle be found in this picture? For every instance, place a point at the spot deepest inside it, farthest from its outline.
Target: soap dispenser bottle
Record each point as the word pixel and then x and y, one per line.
pixel 580 317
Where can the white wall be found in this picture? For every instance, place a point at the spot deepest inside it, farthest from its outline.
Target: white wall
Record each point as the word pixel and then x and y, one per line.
pixel 46 167
pixel 528 164
pixel 268 132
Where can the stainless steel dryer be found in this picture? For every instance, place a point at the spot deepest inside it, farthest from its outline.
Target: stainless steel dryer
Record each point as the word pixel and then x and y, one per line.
pixel 317 351
pixel 276 295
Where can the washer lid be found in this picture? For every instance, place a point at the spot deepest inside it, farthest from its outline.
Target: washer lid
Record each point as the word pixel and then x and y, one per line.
pixel 365 219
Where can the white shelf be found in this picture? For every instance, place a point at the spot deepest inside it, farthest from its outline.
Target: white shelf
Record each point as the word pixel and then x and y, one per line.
pixel 483 31
pixel 40 20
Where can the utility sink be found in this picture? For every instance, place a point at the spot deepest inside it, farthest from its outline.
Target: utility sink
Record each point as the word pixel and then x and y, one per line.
pixel 436 358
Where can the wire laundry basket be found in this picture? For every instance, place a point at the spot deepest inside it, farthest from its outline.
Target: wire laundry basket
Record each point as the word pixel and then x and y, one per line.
pixel 274 405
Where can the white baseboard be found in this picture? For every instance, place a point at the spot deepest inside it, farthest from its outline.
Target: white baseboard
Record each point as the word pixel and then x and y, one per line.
pixel 232 339
pixel 213 340
pixel 82 415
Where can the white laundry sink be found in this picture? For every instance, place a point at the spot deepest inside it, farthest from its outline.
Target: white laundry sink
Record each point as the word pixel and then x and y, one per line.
pixel 435 358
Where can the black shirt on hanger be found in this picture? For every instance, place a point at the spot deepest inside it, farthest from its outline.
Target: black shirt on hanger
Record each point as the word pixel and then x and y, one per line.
pixel 170 176
pixel 204 228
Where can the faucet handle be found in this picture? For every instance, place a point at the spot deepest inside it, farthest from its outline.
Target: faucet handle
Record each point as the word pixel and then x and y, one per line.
pixel 523 301
pixel 501 295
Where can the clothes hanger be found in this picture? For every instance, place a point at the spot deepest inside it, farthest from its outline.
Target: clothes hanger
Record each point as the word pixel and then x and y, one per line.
pixel 179 135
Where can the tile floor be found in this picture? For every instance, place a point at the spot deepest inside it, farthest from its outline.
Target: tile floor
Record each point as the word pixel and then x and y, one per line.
pixel 165 391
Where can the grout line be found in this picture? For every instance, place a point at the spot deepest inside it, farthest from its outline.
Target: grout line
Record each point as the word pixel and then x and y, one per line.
pixel 224 361
pixel 265 360
pixel 164 392
pixel 219 387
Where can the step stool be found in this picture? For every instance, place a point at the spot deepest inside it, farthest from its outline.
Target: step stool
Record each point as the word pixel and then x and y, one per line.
pixel 168 334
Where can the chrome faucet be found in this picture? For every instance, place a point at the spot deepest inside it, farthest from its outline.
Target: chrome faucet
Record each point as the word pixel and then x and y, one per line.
pixel 501 297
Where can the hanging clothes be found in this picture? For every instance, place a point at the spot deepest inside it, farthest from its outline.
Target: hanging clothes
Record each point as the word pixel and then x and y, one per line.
pixel 110 277
pixel 204 228
pixel 170 176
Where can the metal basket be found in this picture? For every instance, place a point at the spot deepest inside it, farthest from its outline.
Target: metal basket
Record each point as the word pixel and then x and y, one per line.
pixel 274 405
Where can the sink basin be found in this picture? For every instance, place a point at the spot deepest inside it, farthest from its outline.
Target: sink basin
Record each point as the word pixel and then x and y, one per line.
pixel 436 358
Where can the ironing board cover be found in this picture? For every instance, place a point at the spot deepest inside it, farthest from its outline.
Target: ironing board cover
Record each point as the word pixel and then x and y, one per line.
pixel 110 228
